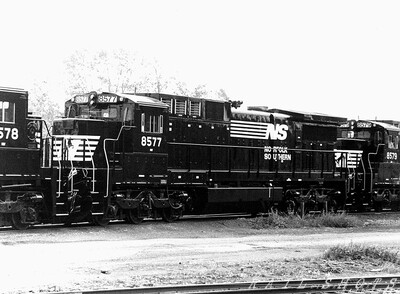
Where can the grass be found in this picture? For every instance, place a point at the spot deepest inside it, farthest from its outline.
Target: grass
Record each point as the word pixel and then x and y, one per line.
pixel 277 220
pixel 362 252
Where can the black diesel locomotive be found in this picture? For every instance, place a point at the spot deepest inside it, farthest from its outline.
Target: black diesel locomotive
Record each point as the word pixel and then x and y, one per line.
pixel 369 153
pixel 134 156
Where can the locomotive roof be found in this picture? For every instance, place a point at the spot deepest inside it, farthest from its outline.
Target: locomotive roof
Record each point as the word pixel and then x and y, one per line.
pixel 144 100
pixel 160 96
pixel 257 115
pixel 13 90
pixel 310 116
pixel 384 125
pixel 119 97
pixel 395 123
pixel 297 115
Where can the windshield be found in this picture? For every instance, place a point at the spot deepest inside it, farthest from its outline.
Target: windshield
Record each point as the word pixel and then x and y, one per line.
pixel 363 134
pixel 100 111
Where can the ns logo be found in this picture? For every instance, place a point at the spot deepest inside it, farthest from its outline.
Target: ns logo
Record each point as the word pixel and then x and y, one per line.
pixel 276 132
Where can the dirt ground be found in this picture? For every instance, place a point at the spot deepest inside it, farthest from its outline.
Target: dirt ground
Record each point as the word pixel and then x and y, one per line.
pixel 189 251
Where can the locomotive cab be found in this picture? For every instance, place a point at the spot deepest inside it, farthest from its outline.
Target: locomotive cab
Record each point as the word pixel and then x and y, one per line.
pixel 127 124
pixel 117 142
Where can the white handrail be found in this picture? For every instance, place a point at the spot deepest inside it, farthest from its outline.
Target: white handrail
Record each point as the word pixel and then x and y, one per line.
pixel 370 166
pixel 93 166
pixel 106 156
pixel 72 166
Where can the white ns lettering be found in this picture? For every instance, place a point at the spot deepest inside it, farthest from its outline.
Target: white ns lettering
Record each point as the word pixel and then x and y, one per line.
pixel 276 132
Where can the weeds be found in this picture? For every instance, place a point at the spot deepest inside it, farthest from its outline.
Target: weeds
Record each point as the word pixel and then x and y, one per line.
pixel 277 220
pixel 361 252
pixel 341 220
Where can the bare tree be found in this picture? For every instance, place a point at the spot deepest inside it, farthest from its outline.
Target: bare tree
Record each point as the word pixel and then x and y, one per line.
pixel 222 94
pixel 42 104
pixel 116 71
pixel 124 71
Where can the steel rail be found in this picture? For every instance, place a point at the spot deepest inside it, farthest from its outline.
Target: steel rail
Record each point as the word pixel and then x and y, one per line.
pixel 334 285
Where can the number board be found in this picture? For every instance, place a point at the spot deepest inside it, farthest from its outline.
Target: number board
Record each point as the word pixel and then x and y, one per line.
pixel 108 98
pixel 81 99
pixel 100 98
pixel 364 124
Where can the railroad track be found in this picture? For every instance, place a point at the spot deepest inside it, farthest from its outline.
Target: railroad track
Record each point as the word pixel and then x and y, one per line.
pixel 385 284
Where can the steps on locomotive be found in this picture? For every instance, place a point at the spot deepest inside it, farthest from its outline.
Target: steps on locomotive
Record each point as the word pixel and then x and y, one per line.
pixel 64 208
pixel 64 201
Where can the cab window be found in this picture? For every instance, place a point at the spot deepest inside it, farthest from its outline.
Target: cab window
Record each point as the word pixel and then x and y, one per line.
pixel 105 112
pixel 128 116
pixel 393 142
pixel 152 123
pixel 7 112
pixel 378 137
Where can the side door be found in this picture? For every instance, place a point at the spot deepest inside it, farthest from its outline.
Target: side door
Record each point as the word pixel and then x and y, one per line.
pixel 149 161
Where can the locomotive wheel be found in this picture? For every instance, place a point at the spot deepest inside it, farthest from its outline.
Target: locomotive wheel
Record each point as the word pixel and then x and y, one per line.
pixel 16 221
pixel 132 217
pixel 100 220
pixel 170 215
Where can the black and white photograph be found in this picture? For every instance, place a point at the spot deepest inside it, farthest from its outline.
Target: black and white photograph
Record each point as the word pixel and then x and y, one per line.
pixel 222 146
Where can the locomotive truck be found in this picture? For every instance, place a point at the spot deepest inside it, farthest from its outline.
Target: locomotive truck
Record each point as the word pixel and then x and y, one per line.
pixel 132 156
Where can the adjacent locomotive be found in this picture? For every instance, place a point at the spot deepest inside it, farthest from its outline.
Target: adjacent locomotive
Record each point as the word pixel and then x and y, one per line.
pixel 368 152
pixel 20 156
pixel 135 156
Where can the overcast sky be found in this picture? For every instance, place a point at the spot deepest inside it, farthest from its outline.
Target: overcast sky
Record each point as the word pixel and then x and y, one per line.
pixel 335 57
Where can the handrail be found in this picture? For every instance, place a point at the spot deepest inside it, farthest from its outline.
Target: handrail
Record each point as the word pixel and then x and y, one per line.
pixel 106 156
pixel 42 142
pixel 93 166
pixel 249 147
pixel 370 166
pixel 72 167
pixel 364 173
pixel 47 128
pixel 59 165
